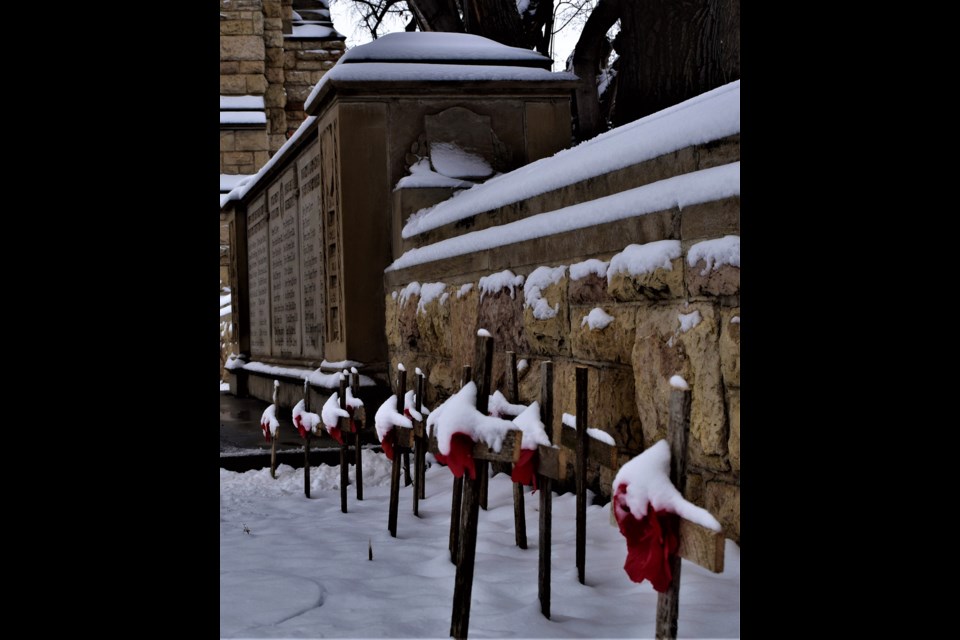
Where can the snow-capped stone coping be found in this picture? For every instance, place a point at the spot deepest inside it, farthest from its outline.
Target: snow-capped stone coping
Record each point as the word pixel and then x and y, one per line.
pixel 709 116
pixel 316 377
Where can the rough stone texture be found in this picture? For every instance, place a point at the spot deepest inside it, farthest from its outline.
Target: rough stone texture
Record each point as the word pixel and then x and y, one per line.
pixel 433 324
pixel 443 379
pixel 694 489
pixel 615 413
pixel 733 445
pixel 658 285
pixel 723 501
pixel 589 290
pixel 407 321
pixel 613 343
pixel 502 316
pixel 251 66
pixel 551 335
pixel 241 47
pixel 720 281
pixel 232 85
pixel 710 220
pixel 730 346
pixel 463 326
pixel 661 351
pixel 392 324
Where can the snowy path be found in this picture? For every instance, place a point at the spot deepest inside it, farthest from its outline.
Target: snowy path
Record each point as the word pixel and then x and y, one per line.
pixel 302 570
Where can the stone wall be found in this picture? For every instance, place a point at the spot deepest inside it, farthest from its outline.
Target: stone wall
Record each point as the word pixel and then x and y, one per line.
pixel 679 318
pixel 262 55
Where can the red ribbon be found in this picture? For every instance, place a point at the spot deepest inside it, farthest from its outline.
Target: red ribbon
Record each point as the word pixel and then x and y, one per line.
pixel 525 468
pixel 266 430
pixel 652 541
pixel 460 458
pixel 297 422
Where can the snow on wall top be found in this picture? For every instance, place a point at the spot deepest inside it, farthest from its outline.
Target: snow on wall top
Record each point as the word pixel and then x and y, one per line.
pixel 435 46
pixel 681 191
pixel 229 103
pixel 709 116
pixel 427 72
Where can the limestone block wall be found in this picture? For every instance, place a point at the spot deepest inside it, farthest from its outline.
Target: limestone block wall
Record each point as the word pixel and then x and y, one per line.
pixel 590 301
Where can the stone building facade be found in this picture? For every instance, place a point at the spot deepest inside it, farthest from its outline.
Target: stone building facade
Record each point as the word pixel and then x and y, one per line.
pixel 621 255
pixel 272 53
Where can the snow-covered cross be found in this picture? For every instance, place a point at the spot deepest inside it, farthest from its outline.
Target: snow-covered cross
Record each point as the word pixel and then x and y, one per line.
pixel 660 526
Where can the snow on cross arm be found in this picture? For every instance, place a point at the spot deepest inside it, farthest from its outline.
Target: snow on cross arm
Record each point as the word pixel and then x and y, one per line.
pixel 570 421
pixel 646 479
pixel 458 414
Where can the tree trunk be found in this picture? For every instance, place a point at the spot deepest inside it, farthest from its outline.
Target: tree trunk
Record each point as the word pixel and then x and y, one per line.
pixel 436 15
pixel 673 50
pixel 586 63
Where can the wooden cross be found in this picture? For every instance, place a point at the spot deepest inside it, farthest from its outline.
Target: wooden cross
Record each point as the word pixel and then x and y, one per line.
pixel 698 544
pixel 359 417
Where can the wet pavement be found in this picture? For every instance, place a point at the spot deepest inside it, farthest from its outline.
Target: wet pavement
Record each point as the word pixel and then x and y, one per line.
pixel 242 446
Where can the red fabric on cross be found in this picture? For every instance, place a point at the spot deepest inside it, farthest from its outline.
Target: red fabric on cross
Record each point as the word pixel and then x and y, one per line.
pixel 525 468
pixel 387 444
pixel 335 434
pixel 353 425
pixel 266 430
pixel 300 427
pixel 652 541
pixel 460 458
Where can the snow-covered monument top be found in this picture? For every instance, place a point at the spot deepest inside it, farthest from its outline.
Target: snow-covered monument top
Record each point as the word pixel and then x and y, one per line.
pixel 397 125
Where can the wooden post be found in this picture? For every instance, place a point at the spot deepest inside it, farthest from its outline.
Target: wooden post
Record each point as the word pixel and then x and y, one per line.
pixel 668 602
pixel 306 445
pixel 395 470
pixel 407 478
pixel 422 447
pixel 463 587
pixel 273 440
pixel 546 492
pixel 419 466
pixel 581 470
pixel 344 466
pixel 519 515
pixel 358 464
pixel 457 493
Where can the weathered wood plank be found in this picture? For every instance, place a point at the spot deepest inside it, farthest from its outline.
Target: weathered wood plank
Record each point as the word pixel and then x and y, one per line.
pixel 306 444
pixel 600 452
pixel 551 469
pixel 404 440
pixel 549 462
pixel 359 417
pixel 463 585
pixel 519 517
pixel 581 473
pixel 273 440
pixel 546 518
pixel 701 546
pixel 419 461
pixel 509 452
pixel 345 434
pixel 668 602
pixel 395 469
pixel 457 487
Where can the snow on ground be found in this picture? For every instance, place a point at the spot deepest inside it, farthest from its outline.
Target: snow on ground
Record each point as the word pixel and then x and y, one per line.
pixel 297 568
